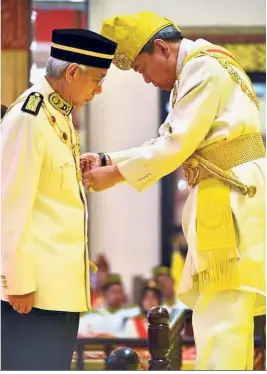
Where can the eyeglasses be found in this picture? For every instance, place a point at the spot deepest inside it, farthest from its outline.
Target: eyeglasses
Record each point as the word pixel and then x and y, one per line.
pixel 99 83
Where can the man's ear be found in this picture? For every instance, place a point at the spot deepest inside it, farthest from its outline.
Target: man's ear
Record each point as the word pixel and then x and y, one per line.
pixel 162 47
pixel 72 72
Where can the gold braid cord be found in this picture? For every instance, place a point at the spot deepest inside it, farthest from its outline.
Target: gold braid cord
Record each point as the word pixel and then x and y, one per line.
pixel 219 158
pixel 74 148
pixel 227 63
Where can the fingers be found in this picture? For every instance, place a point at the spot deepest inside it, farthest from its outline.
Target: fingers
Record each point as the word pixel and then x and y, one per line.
pixel 28 309
pixel 87 165
pixel 22 308
pixel 89 156
pixel 85 156
pixel 87 182
pixel 20 305
pixel 84 165
pixel 90 160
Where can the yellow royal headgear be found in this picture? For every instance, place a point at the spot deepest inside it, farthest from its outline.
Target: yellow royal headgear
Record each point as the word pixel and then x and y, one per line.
pixel 131 32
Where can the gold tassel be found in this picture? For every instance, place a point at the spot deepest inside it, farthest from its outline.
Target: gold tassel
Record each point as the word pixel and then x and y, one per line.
pixel 216 237
pixel 221 274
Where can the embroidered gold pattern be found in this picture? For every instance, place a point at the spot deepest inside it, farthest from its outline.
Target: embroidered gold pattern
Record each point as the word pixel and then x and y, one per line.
pixel 174 94
pixel 218 159
pixel 33 102
pixel 249 91
pixel 122 62
pixel 59 104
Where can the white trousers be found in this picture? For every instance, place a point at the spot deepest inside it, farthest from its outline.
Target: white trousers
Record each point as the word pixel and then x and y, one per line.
pixel 223 330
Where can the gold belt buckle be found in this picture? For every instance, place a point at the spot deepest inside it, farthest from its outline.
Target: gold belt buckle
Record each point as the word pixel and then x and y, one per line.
pixel 191 171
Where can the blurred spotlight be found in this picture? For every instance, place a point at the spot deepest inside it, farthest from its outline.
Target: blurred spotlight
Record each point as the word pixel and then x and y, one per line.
pixel 33 16
pixel 33 46
pixel 182 185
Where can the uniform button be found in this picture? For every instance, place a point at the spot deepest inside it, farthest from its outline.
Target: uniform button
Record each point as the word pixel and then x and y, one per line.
pixel 3 276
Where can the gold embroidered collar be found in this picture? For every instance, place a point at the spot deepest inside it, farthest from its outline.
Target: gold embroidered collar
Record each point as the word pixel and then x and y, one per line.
pixel 59 104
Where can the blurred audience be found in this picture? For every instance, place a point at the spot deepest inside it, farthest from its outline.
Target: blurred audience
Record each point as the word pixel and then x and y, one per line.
pixel 108 319
pixel 113 293
pixel 97 281
pixel 162 275
pixel 151 296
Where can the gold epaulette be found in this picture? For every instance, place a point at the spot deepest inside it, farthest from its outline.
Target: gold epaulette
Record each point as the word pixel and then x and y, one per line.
pixel 31 103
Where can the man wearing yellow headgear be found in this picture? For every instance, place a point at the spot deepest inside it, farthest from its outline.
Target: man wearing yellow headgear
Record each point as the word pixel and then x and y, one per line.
pixel 213 130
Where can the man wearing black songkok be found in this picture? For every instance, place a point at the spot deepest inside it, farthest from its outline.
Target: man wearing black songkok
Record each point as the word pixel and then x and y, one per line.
pixel 45 265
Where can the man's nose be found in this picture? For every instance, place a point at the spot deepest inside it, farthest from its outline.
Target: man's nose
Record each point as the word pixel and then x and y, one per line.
pixel 146 79
pixel 98 90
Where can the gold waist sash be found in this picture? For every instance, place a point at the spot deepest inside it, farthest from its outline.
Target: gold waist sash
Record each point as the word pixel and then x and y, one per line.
pixel 211 167
pixel 219 158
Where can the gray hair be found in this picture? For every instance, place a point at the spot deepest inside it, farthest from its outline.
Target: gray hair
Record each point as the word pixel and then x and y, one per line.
pixel 168 34
pixel 55 68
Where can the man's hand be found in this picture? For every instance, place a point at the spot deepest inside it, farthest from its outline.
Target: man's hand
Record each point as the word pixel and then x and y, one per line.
pixel 102 178
pixel 89 161
pixel 22 303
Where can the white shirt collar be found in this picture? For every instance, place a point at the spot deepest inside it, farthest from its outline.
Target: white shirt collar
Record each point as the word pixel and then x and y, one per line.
pixel 185 47
pixel 44 87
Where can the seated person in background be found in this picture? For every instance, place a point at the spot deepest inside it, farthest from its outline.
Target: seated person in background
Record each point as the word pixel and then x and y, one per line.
pixel 136 327
pixel 109 319
pixel 162 275
pixel 3 110
pixel 97 281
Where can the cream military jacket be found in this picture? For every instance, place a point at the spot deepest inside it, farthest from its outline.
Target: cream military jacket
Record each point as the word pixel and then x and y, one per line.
pixel 209 107
pixel 205 111
pixel 44 246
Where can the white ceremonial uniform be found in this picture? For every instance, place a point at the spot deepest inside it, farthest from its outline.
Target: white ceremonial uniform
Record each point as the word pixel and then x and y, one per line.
pixel 211 107
pixel 102 321
pixel 130 329
pixel 44 230
pixel 177 305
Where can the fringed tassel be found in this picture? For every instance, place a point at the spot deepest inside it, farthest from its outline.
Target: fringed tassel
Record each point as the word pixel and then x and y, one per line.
pixel 221 272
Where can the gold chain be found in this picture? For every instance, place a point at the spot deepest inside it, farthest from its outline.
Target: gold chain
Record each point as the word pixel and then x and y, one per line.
pixel 74 148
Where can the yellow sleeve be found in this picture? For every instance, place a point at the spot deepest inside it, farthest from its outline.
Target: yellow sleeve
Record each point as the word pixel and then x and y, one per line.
pixel 196 108
pixel 22 156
